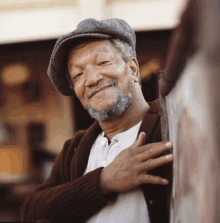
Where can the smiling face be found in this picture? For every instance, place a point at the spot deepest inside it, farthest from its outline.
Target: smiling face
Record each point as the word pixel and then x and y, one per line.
pixel 101 79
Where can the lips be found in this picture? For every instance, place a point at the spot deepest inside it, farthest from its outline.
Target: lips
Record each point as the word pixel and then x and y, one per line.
pixel 92 93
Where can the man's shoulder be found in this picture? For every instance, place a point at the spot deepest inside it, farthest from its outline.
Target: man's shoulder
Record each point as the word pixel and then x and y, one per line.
pixel 73 142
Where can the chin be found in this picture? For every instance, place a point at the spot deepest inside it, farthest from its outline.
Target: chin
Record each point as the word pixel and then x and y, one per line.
pixel 103 104
pixel 101 108
pixel 106 113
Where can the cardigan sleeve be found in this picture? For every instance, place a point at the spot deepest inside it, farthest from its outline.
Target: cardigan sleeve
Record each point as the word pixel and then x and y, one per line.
pixel 58 201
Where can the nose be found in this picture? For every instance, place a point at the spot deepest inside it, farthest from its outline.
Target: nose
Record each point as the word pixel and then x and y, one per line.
pixel 92 77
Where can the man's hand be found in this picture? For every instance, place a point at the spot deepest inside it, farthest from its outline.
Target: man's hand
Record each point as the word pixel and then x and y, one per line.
pixel 130 168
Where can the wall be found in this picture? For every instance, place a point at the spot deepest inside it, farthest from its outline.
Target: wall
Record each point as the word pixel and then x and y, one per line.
pixel 193 107
pixel 28 20
pixel 50 108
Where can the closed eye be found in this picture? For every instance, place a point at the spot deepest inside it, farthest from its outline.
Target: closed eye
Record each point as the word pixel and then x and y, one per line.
pixel 78 75
pixel 104 62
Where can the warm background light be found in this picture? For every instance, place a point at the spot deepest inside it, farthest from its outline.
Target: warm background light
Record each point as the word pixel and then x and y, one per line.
pixel 13 159
pixel 150 68
pixel 15 74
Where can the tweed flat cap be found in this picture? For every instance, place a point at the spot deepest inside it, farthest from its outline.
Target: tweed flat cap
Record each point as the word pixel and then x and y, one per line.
pixel 87 29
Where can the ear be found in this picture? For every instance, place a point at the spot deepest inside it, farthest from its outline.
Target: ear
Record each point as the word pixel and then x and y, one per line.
pixel 134 66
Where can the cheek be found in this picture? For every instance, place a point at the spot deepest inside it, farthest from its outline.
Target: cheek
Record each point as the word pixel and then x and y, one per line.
pixel 114 71
pixel 127 84
pixel 79 91
pixel 78 87
pixel 121 70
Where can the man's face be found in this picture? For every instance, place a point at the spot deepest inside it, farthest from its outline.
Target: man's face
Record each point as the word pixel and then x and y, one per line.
pixel 100 77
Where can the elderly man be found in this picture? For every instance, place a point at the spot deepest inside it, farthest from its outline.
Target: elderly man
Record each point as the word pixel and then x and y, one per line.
pixel 114 171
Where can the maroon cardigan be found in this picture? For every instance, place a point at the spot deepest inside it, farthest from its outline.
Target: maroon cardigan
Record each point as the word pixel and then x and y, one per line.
pixel 68 196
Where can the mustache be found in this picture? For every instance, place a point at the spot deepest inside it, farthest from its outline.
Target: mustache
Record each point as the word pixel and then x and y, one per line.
pixel 100 86
pixel 110 82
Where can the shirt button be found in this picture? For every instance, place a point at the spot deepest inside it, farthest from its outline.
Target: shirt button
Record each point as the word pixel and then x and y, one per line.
pixel 103 142
pixel 151 202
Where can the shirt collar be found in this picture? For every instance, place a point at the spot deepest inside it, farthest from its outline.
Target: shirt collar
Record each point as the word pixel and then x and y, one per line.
pixel 126 134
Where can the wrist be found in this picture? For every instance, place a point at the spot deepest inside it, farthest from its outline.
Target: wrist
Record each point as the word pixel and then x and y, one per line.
pixel 103 185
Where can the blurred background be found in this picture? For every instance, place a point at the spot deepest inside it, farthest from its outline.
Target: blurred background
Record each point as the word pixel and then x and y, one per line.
pixel 35 120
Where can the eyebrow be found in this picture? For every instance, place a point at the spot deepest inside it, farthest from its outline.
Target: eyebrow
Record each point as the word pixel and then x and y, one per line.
pixel 101 49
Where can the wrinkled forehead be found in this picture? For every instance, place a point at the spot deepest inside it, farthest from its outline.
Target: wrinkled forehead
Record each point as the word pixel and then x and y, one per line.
pixel 92 46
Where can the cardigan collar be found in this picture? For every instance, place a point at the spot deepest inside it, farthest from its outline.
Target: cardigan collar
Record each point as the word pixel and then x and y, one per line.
pixel 150 119
pixel 91 134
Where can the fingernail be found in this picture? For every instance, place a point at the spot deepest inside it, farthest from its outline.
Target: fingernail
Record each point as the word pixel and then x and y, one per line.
pixel 165 181
pixel 169 157
pixel 169 144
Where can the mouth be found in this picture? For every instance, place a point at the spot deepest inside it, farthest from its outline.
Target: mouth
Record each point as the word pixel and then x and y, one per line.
pixel 91 94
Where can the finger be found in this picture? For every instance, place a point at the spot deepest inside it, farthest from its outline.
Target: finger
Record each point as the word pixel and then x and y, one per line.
pixel 140 140
pixel 154 163
pixel 151 179
pixel 153 150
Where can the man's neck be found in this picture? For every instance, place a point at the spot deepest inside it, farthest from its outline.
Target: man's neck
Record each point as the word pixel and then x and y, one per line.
pixel 125 121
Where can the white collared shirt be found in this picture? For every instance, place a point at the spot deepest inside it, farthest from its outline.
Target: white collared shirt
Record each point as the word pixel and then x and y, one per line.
pixel 129 207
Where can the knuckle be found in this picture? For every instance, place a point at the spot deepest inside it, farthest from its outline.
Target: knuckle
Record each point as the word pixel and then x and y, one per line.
pixel 150 144
pixel 148 178
pixel 150 152
pixel 134 170
pixel 130 152
pixel 149 161
pixel 134 181
pixel 142 179
pixel 148 165
pixel 139 158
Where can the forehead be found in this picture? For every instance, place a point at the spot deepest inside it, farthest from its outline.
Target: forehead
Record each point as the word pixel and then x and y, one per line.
pixel 92 47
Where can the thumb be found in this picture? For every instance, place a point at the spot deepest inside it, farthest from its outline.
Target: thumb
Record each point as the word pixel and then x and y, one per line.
pixel 140 140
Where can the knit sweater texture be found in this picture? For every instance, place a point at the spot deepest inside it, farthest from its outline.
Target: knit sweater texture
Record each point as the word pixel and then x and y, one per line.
pixel 69 196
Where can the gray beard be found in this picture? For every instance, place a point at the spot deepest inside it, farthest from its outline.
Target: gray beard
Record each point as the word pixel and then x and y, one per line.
pixel 122 103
